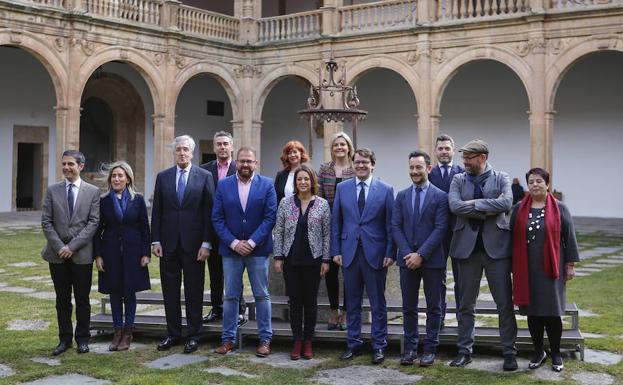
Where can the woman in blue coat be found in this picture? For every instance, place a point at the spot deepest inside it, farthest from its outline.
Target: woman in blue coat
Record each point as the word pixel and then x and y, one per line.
pixel 122 249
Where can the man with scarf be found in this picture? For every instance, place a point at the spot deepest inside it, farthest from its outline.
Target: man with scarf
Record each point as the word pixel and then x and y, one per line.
pixel 479 198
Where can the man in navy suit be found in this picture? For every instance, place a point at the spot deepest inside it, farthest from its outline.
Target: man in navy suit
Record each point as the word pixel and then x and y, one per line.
pixel 244 214
pixel 441 176
pixel 220 168
pixel 361 243
pixel 181 236
pixel 419 225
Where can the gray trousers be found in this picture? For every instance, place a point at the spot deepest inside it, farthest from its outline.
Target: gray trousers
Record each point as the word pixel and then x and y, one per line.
pixel 498 272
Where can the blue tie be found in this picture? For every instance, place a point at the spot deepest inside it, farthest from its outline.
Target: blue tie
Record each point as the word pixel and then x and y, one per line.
pixel 416 205
pixel 181 186
pixel 445 174
pixel 361 200
pixel 70 199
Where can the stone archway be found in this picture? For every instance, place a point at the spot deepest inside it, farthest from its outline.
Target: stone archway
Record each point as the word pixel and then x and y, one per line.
pixel 128 113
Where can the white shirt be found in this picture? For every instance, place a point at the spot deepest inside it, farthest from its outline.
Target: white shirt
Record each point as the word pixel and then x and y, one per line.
pixel 288 190
pixel 75 189
pixel 367 184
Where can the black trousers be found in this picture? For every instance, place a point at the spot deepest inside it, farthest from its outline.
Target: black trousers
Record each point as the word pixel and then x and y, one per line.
pixel 68 277
pixel 172 266
pixel 552 325
pixel 215 269
pixel 333 286
pixel 302 284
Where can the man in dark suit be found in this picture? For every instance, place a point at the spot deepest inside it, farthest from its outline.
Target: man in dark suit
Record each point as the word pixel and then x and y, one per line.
pixel 419 225
pixel 245 210
pixel 69 220
pixel 220 168
pixel 441 176
pixel 361 243
pixel 480 198
pixel 181 236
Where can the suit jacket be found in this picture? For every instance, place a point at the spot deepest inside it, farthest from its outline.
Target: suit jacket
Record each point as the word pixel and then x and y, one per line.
pixel 429 232
pixel 435 178
pixel 373 227
pixel 188 222
pixel 121 244
pixel 280 184
pixel 495 230
pixel 76 232
pixel 213 168
pixel 231 222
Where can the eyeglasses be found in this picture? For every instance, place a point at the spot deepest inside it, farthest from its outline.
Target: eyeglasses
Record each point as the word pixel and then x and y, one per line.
pixel 244 161
pixel 471 157
pixel 362 162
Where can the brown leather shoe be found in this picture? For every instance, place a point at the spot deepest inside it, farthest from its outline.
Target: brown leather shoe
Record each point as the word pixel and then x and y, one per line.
pixel 295 354
pixel 308 353
pixel 263 349
pixel 126 339
pixel 225 348
pixel 116 338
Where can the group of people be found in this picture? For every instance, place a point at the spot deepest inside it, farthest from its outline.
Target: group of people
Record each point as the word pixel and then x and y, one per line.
pixel 314 224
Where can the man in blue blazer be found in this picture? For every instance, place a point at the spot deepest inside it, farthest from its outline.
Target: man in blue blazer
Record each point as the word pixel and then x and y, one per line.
pixel 419 225
pixel 441 176
pixel 181 236
pixel 220 168
pixel 361 243
pixel 244 214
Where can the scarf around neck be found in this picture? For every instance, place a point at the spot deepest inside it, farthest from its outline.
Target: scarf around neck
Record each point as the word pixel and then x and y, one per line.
pixel 551 251
pixel 120 205
pixel 479 181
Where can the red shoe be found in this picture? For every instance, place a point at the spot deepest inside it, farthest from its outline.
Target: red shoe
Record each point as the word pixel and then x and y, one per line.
pixel 308 354
pixel 295 354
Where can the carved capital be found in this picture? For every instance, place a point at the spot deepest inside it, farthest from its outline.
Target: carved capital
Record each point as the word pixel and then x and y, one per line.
pixel 247 71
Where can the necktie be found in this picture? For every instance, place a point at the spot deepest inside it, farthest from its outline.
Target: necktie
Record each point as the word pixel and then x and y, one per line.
pixel 416 205
pixel 181 186
pixel 444 175
pixel 361 200
pixel 70 199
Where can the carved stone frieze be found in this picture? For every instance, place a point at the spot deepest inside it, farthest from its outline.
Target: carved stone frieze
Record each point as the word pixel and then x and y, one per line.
pixel 606 41
pixel 158 58
pixel 16 37
pixel 414 56
pixel 247 71
pixel 60 43
pixel 88 47
pixel 534 45
pixel 174 58
pixel 439 55
pixel 124 54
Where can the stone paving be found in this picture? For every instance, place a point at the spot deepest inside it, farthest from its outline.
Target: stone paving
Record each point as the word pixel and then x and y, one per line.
pixel 601 357
pixel 175 361
pixel 364 375
pixel 592 378
pixel 46 361
pixel 6 371
pixel 102 347
pixel 228 372
pixel 282 360
pixel 28 325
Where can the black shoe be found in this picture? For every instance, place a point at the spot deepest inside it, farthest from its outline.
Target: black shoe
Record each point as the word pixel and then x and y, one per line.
pixel 212 316
pixel 461 360
pixel 442 325
pixel 409 357
pixel 537 360
pixel 349 354
pixel 83 347
pixel 242 319
pixel 61 347
pixel 557 365
pixel 510 364
pixel 428 359
pixel 191 345
pixel 167 343
pixel 378 356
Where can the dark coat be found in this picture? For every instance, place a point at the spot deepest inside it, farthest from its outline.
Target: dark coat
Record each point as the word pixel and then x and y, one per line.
pixel 121 245
pixel 280 184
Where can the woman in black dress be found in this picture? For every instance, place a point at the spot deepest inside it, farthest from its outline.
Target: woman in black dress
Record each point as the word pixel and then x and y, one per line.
pixel 544 254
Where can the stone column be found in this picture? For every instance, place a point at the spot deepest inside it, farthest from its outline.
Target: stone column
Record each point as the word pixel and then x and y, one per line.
pixel 427 121
pixel 164 132
pixel 248 11
pixel 170 9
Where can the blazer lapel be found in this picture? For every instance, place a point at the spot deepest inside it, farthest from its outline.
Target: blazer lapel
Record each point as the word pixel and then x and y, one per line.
pixel 190 183
pixel 237 192
pixel 370 198
pixel 170 184
pixel 353 186
pixel 78 202
pixel 427 199
pixel 410 202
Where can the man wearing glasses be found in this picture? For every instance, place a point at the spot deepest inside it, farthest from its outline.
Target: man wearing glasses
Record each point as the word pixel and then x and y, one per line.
pixel 479 198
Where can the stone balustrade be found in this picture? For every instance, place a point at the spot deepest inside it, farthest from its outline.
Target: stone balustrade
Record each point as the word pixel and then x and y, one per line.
pixel 295 26
pixel 49 3
pixel 141 11
pixel 378 16
pixel 580 4
pixel 208 24
pixel 479 9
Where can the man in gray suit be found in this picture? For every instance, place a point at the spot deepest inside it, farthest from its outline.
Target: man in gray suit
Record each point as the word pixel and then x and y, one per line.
pixel 69 219
pixel 479 198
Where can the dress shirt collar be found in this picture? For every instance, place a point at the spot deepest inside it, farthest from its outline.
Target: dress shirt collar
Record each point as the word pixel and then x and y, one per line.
pixel 226 164
pixel 441 167
pixel 243 182
pixel 367 182
pixel 187 168
pixel 77 183
pixel 424 186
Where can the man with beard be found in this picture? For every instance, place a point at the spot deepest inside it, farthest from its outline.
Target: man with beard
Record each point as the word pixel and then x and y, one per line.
pixel 220 168
pixel 245 210
pixel 441 176
pixel 419 225
pixel 480 197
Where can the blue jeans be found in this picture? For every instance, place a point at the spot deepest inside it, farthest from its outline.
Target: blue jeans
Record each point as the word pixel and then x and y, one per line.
pixel 257 270
pixel 117 303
